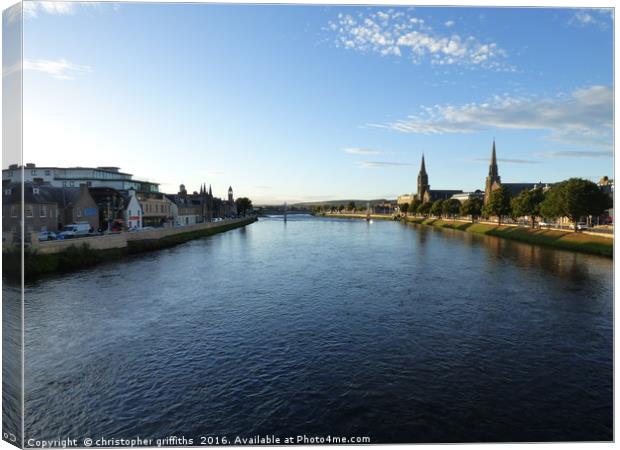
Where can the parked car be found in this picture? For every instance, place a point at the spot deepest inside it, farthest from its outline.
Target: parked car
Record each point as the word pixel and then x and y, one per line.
pixel 46 236
pixel 75 230
pixel 583 226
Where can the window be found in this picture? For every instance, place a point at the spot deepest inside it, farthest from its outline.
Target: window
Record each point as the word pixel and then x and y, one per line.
pixel 64 184
pixel 79 212
pixel 71 183
pixel 89 183
pixel 35 190
pixel 8 191
pixel 48 172
pixel 10 173
pixel 13 211
pixel 33 172
pixel 43 211
pixel 28 210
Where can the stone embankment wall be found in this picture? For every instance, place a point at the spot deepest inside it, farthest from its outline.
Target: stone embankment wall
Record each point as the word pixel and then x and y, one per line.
pixel 125 239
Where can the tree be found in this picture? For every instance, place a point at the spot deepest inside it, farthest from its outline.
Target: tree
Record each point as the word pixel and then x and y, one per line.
pixel 527 203
pixel 404 208
pixel 327 208
pixel 499 204
pixel 413 207
pixel 437 208
pixel 341 208
pixel 351 206
pixel 424 208
pixel 575 198
pixel 472 207
pixel 244 205
pixel 451 207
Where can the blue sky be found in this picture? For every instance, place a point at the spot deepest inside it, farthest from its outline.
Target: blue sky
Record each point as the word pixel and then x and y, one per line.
pixel 304 103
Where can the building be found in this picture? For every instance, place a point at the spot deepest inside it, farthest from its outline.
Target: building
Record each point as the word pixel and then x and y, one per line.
pixel 493 181
pixel 405 198
pixel 46 208
pixel 426 194
pixel 156 209
pixel 231 206
pixel 384 208
pixel 112 205
pixel 40 209
pixel 81 208
pixel 190 207
pixel 133 212
pixel 461 197
pixel 68 177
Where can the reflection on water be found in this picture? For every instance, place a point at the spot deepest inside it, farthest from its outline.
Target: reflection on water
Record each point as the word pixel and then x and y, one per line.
pixel 325 326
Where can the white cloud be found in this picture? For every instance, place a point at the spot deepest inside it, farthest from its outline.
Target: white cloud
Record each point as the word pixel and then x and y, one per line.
pixel 600 18
pixel 583 118
pixel 380 164
pixel 32 9
pixel 576 154
pixel 60 69
pixel 398 34
pixel 510 161
pixel 449 23
pixel 361 151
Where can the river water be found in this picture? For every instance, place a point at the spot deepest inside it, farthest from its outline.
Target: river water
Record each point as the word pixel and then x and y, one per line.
pixel 317 326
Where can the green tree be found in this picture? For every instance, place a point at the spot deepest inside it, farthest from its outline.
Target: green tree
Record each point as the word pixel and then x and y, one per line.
pixel 404 208
pixel 451 207
pixel 472 207
pixel 244 205
pixel 351 206
pixel 499 204
pixel 413 207
pixel 527 203
pixel 437 208
pixel 425 208
pixel 574 198
pixel 341 208
pixel 326 208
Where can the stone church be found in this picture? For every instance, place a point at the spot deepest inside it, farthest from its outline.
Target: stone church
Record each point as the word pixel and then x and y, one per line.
pixel 426 194
pixel 494 181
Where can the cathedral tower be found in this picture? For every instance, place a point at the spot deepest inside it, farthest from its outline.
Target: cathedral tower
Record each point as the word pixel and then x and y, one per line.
pixel 423 185
pixel 493 180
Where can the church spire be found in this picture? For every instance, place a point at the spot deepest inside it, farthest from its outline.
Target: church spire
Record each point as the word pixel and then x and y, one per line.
pixel 493 171
pixel 423 185
pixel 493 180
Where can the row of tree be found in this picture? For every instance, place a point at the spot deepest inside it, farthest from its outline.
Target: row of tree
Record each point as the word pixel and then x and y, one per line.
pixel 351 206
pixel 575 198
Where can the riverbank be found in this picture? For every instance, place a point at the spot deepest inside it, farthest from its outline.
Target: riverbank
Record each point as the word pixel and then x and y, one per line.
pixel 67 256
pixel 360 216
pixel 564 240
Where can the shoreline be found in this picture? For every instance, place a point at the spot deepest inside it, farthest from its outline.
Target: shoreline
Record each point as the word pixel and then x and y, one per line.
pixel 562 240
pixel 77 254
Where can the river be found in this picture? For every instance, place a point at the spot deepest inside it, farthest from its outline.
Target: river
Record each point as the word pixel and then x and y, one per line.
pixel 318 326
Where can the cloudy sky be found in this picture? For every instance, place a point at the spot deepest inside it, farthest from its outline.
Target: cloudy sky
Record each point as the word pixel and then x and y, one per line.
pixel 299 103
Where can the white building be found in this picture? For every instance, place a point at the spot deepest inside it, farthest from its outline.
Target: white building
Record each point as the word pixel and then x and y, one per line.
pixel 110 177
pixel 462 196
pixel 133 212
